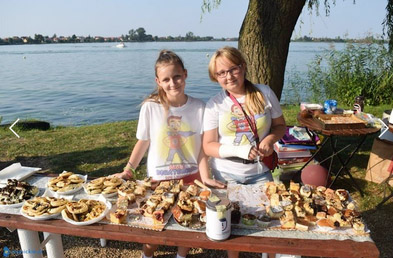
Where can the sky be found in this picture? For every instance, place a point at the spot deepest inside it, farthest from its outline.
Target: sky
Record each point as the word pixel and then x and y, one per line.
pixel 174 17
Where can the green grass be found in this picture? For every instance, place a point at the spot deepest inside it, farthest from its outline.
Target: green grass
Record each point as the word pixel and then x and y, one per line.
pixel 100 150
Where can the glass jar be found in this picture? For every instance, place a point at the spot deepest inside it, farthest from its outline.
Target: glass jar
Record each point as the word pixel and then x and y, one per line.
pixel 359 104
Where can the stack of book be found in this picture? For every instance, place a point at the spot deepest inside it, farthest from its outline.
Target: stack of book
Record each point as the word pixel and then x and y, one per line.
pixel 294 149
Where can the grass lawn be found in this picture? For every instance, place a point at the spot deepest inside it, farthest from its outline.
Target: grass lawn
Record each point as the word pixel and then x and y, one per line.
pixel 104 149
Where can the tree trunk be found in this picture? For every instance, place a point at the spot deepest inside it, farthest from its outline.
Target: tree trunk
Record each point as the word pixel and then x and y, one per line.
pixel 264 39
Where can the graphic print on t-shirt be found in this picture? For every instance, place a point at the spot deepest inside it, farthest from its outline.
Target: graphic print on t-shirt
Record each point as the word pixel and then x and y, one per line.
pixel 177 145
pixel 239 126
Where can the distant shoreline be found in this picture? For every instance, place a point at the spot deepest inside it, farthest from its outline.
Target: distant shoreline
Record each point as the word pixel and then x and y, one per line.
pixel 65 40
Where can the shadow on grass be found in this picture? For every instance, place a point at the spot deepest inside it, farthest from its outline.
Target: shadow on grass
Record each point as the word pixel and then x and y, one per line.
pixel 380 223
pixel 92 162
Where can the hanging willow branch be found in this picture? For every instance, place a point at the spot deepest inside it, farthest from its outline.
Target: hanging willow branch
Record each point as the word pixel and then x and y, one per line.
pixel 388 24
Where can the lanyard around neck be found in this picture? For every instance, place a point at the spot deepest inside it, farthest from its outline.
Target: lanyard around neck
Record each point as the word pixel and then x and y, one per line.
pixel 252 124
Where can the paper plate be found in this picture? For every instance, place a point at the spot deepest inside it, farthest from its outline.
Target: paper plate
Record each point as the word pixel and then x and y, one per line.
pixel 17 205
pixel 101 194
pixel 16 171
pixel 84 177
pixel 43 217
pixel 92 221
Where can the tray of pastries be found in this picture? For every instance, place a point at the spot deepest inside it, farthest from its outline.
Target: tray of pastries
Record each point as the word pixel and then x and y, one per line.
pixel 140 206
pixel 339 121
pixel 314 208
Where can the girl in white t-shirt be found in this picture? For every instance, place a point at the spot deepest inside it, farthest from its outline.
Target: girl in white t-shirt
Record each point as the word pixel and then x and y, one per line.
pixel 170 127
pixel 231 138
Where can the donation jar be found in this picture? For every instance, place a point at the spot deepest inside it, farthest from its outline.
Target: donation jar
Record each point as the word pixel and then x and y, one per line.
pixel 218 218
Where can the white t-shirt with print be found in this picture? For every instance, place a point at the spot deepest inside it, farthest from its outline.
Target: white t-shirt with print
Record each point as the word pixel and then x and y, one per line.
pixel 175 138
pixel 233 128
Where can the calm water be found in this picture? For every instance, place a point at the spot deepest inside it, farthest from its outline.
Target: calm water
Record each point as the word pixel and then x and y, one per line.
pixel 77 84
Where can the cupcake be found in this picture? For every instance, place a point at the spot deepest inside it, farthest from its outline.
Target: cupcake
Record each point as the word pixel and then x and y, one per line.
pixel 263 221
pixel 249 219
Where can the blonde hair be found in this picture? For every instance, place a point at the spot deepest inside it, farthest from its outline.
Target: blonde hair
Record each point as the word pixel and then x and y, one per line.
pixel 165 57
pixel 255 101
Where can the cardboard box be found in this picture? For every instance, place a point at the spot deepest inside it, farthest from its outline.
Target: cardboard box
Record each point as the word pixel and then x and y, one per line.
pixel 380 164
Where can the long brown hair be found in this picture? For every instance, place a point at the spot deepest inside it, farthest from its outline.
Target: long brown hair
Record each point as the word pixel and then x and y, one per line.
pixel 255 101
pixel 165 57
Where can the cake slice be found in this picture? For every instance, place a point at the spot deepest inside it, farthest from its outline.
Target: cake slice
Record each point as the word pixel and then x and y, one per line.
pixel 119 216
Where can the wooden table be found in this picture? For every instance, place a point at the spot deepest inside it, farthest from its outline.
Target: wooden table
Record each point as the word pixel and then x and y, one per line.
pixel 307 247
pixel 362 133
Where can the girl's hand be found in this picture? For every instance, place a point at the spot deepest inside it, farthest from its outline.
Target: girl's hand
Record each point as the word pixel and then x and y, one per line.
pixel 253 153
pixel 122 175
pixel 214 183
pixel 265 149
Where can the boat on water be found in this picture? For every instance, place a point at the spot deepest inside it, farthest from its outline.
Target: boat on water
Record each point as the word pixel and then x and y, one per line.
pixel 121 45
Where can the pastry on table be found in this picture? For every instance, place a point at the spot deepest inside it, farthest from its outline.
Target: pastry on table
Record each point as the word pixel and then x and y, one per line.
pixel 119 216
pixel 122 202
pixel 204 195
pixel 306 191
pixel 287 220
pixel 274 200
pixel 274 212
pixel 158 216
pixel 301 226
pixel 294 187
pixel 192 190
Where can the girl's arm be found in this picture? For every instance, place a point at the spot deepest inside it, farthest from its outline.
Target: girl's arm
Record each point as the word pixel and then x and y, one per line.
pixel 136 156
pixel 277 131
pixel 213 148
pixel 205 171
pixel 211 144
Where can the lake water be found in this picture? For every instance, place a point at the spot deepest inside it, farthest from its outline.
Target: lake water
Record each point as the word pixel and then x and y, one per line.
pixel 78 84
